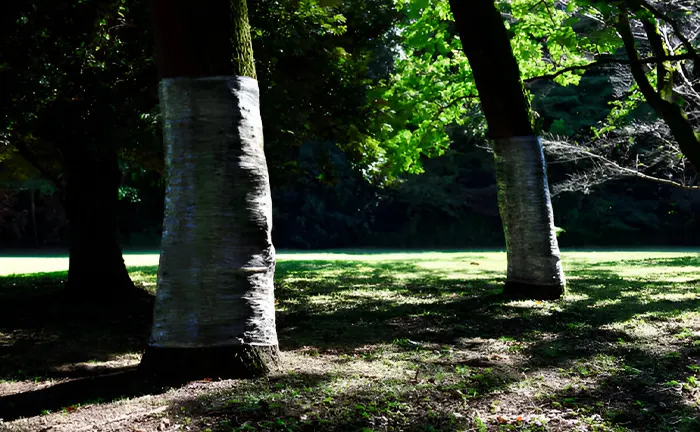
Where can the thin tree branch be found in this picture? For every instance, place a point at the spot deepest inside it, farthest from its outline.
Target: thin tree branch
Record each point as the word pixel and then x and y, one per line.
pixel 452 103
pixel 600 62
pixel 628 171
pixel 674 25
pixel 664 71
pixel 625 31
pixel 445 107
pixel 674 116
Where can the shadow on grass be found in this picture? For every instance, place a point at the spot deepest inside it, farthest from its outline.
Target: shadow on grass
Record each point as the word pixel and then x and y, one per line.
pixel 47 333
pixel 309 402
pixel 96 389
pixel 344 307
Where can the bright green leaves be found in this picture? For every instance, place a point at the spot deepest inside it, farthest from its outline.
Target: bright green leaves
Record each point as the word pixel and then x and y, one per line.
pixel 335 24
pixel 323 14
pixel 432 86
pixel 428 90
pixel 545 39
pixel 425 28
pixel 620 112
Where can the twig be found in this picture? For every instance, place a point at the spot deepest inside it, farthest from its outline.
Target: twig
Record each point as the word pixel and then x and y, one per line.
pixel 629 171
pixel 597 63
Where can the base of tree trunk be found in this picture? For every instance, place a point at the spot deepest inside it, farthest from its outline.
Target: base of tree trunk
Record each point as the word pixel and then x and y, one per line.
pixel 526 291
pixel 179 365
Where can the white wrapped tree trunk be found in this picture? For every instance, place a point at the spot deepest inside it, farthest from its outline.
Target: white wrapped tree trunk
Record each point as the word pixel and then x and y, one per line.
pixel 528 220
pixel 214 312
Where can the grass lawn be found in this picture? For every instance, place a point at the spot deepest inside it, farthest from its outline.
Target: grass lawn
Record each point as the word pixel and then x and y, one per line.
pixel 382 341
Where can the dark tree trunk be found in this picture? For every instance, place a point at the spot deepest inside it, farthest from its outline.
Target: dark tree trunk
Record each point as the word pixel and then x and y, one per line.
pixel 495 69
pixel 202 38
pixel 96 268
pixel 32 207
pixel 534 264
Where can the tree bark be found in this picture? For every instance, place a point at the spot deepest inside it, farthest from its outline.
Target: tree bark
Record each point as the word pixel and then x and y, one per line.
pixel 534 264
pixel 214 314
pixel 96 266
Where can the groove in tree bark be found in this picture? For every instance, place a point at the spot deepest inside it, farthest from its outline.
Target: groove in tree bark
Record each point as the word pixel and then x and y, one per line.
pixel 534 265
pixel 214 314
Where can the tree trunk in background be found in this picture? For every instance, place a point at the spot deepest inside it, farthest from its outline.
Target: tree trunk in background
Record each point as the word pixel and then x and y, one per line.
pixel 96 266
pixel 32 209
pixel 214 314
pixel 534 265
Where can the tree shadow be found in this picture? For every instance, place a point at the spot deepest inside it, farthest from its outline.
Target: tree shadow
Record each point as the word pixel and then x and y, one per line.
pixel 644 391
pixel 596 322
pixel 312 402
pixel 347 306
pixel 46 332
pixel 105 388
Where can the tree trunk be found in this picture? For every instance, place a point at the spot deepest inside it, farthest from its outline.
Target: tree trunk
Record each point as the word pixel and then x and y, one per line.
pixel 214 314
pixel 534 264
pixel 32 209
pixel 96 266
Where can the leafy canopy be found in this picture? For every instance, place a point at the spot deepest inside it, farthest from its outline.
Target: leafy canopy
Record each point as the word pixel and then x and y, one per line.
pixel 432 84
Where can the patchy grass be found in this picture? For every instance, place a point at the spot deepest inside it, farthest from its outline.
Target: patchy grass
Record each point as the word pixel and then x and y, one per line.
pixel 384 341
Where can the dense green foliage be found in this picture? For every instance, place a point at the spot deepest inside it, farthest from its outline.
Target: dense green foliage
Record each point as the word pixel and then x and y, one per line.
pixel 372 126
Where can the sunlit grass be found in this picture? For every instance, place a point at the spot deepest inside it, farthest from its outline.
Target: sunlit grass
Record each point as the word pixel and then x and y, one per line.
pixel 449 264
pixel 16 265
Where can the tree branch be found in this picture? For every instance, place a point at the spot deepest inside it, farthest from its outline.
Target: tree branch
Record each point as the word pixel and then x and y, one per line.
pixel 674 25
pixel 625 31
pixel 442 109
pixel 601 62
pixel 664 71
pixel 451 104
pixel 677 121
pixel 628 171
